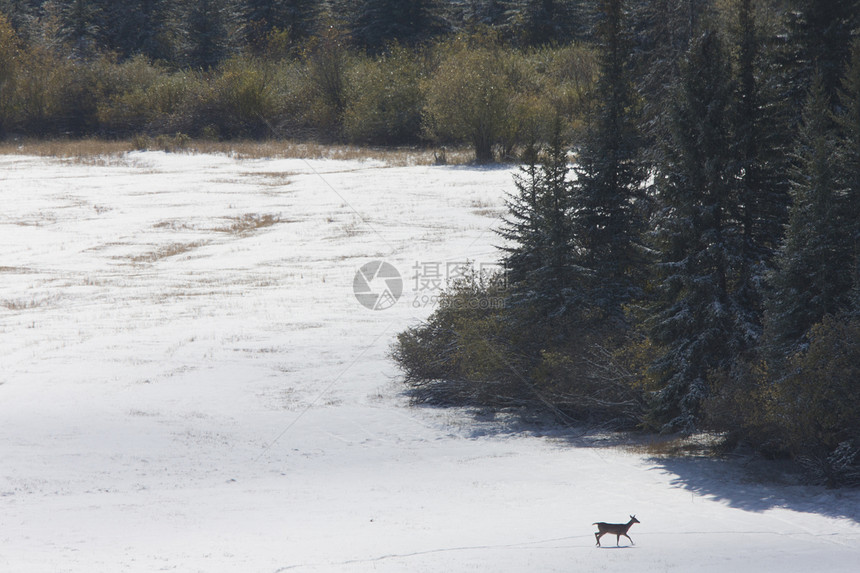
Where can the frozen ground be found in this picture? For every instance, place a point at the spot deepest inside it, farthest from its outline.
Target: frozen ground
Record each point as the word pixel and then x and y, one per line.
pixel 187 383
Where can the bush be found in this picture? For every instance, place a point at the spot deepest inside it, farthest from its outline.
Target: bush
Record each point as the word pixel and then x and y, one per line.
pixel 495 97
pixel 814 409
pixel 327 60
pixel 10 50
pixel 469 97
pixel 587 380
pixel 460 356
pixel 133 102
pixel 386 99
pixel 245 102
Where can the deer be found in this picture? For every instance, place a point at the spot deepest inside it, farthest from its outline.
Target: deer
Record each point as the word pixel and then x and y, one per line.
pixel 618 529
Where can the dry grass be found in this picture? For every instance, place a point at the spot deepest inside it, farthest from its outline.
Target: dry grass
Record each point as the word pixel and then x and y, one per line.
pixel 695 445
pixel 66 148
pixel 166 251
pixel 250 222
pixel 27 303
pixel 97 150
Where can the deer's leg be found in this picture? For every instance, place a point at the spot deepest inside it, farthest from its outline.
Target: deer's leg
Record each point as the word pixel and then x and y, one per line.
pixel 618 540
pixel 598 535
pixel 628 537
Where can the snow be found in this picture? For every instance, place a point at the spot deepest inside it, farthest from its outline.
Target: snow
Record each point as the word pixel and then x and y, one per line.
pixel 187 383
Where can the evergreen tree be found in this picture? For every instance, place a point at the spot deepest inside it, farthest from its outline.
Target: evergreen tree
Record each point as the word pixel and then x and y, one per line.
pixel 610 176
pixel 21 14
pixel 697 321
pixel 208 31
pixel 377 23
pixel 539 256
pixel 80 25
pixel 297 17
pixel 489 13
pixel 819 43
pixel 762 159
pixel 848 158
pixel 812 275
pixel 138 27
pixel 663 30
pixel 522 224
pixel 540 22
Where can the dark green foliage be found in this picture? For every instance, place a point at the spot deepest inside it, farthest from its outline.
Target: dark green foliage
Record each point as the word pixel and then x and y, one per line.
pixel 662 32
pixel 138 27
pixel 812 276
pixel 698 321
pixel 608 217
pixel 296 17
pixel 79 24
pixel 540 22
pixel 759 126
pixel 207 31
pixel 819 43
pixel 540 254
pixel 814 410
pixel 375 24
pixel 848 160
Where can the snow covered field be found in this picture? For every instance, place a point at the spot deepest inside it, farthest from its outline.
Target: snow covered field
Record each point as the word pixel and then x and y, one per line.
pixel 187 383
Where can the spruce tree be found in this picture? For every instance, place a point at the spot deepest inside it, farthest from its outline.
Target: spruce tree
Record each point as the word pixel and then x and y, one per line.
pixel 378 23
pixel 610 175
pixel 80 25
pixel 812 276
pixel 695 321
pixel 138 27
pixel 663 30
pixel 820 33
pixel 540 253
pixel 297 17
pixel 208 31
pixel 848 158
pixel 541 22
pixel 759 145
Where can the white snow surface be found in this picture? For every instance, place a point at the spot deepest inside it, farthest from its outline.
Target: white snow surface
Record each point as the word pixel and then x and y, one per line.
pixel 187 383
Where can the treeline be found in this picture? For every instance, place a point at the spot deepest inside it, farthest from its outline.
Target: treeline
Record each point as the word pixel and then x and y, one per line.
pixel 485 73
pixel 700 268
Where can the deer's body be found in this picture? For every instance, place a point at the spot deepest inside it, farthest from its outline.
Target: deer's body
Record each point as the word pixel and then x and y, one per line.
pixel 617 529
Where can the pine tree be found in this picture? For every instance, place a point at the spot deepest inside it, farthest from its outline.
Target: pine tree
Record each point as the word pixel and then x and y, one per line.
pixel 21 14
pixel 695 320
pixel 522 223
pixel 80 25
pixel 377 23
pixel 848 158
pixel 663 30
pixel 138 27
pixel 483 13
pixel 297 17
pixel 812 275
pixel 208 31
pixel 610 175
pixel 759 146
pixel 540 22
pixel 818 44
pixel 539 256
